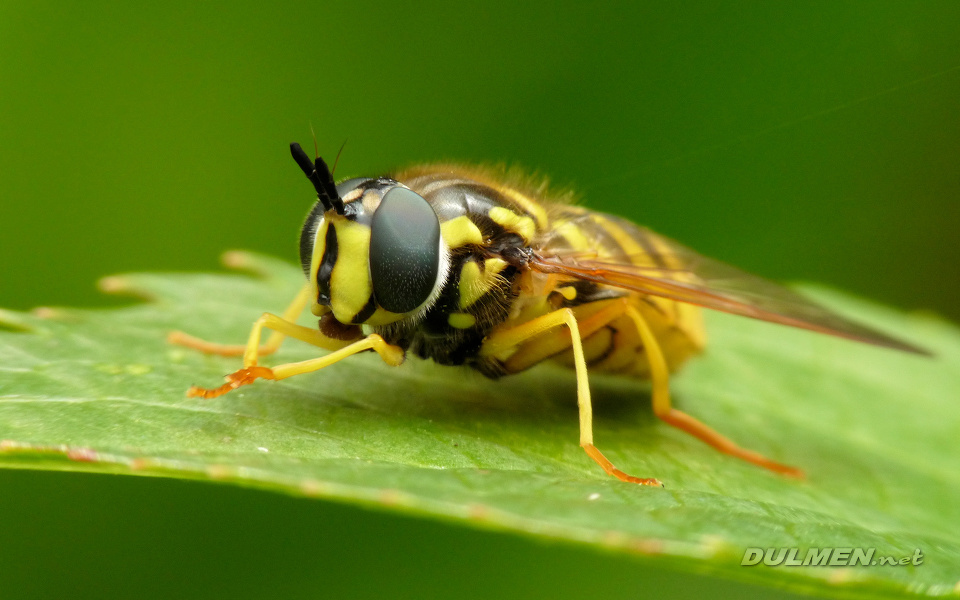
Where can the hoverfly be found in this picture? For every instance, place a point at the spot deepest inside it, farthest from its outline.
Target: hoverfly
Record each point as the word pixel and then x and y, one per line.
pixel 467 266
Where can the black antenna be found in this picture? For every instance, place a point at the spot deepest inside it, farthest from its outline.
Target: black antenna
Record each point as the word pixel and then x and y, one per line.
pixel 319 175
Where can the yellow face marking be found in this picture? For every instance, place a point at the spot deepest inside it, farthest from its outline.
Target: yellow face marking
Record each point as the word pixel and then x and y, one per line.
pixel 474 283
pixel 382 317
pixel 528 205
pixel 511 221
pixel 460 232
pixel 350 285
pixel 461 320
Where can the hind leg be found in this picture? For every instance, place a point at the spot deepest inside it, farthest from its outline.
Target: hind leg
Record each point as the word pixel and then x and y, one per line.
pixel 660 380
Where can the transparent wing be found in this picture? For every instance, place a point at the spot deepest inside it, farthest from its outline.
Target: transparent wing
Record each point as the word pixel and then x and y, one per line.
pixel 668 269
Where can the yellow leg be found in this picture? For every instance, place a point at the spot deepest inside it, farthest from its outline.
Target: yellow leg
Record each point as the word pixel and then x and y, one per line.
pixel 546 345
pixel 281 329
pixel 273 343
pixel 660 380
pixel 504 340
pixel 392 355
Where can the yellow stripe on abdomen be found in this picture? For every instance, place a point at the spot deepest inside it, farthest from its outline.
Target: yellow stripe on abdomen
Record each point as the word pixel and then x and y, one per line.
pixel 573 235
pixel 630 246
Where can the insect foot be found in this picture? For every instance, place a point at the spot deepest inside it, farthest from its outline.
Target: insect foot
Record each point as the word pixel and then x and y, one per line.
pixel 234 380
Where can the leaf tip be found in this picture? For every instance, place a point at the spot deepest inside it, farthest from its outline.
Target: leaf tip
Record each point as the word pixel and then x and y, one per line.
pixel 119 285
pixel 235 259
pixel 82 454
pixel 478 512
pixel 14 321
pixel 220 472
pixel 313 488
pixel 47 312
pixel 241 260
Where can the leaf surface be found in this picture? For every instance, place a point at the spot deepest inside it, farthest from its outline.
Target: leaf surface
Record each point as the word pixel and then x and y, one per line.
pixel 875 430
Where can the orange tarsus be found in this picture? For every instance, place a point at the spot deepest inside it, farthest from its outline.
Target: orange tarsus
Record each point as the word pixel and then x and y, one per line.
pixel 180 338
pixel 234 380
pixel 608 467
pixel 183 339
pixel 688 424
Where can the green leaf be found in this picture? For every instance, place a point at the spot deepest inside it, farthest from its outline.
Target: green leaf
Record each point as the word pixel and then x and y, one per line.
pixel 876 430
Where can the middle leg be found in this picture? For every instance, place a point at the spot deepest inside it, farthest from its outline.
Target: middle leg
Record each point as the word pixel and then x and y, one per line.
pixel 513 339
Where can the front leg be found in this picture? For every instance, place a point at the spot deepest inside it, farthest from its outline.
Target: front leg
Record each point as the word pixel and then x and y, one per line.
pixel 392 355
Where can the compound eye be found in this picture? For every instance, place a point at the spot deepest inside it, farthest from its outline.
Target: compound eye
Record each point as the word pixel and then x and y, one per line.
pixel 404 251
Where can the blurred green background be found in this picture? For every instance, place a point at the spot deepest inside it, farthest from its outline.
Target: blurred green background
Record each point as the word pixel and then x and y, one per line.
pixel 816 141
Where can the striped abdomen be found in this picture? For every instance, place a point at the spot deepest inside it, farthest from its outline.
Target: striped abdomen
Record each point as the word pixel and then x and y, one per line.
pixel 615 347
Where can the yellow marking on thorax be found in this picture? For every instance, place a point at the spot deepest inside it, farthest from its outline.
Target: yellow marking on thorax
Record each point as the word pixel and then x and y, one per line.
pixel 522 225
pixel 527 204
pixel 460 232
pixel 350 285
pixel 474 283
pixel 461 320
